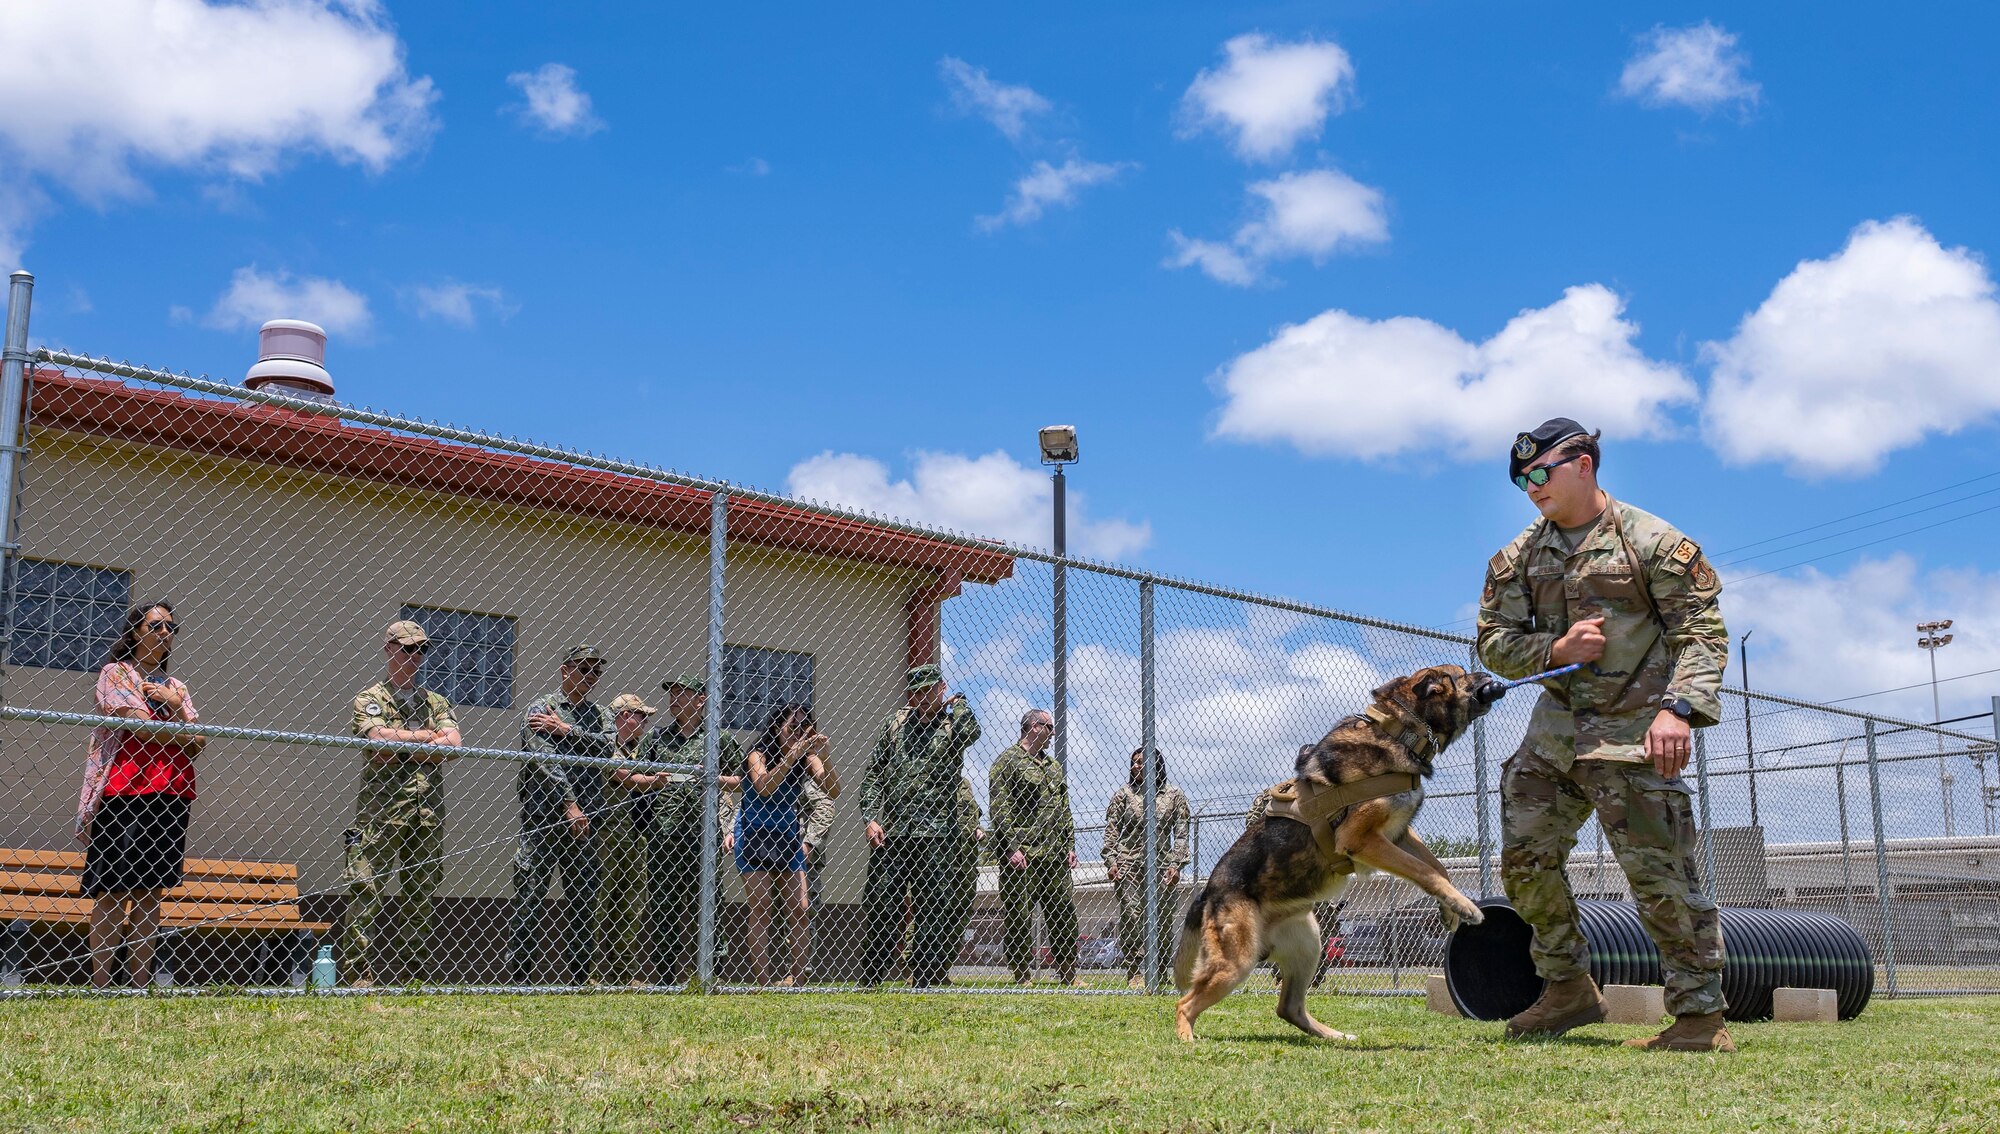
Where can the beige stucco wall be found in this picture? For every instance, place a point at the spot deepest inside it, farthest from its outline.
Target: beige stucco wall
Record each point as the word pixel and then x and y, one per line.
pixel 283 582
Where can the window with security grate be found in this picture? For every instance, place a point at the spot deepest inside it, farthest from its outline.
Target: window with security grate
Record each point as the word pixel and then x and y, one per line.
pixel 66 615
pixel 756 680
pixel 471 659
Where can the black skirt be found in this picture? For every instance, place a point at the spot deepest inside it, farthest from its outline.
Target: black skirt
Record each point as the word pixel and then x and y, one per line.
pixel 137 842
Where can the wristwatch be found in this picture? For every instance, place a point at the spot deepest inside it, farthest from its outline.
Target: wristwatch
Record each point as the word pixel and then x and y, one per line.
pixel 1678 706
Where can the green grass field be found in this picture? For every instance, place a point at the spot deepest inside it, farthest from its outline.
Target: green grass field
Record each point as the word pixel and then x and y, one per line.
pixel 952 1062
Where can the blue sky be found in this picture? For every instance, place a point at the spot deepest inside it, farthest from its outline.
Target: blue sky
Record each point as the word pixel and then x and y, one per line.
pixel 757 254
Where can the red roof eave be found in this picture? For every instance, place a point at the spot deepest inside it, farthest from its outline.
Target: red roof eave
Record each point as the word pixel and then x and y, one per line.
pixel 323 444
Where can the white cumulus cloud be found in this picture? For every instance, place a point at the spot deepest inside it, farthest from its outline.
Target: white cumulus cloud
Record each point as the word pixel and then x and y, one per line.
pixel 1049 186
pixel 1313 214
pixel 1343 385
pixel 96 93
pixel 1856 356
pixel 459 303
pixel 992 495
pixel 1267 96
pixel 552 101
pixel 1008 107
pixel 254 296
pixel 1697 66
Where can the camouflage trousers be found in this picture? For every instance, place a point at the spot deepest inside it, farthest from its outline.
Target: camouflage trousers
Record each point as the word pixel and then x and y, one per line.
pixel 377 853
pixel 548 851
pixel 1131 891
pixel 1044 882
pixel 1648 822
pixel 621 899
pixel 927 871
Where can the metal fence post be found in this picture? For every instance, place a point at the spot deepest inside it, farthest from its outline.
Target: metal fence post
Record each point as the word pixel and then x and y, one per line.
pixel 13 403
pixel 1846 843
pixel 1881 861
pixel 1150 787
pixel 1707 815
pixel 711 749
pixel 1059 596
pixel 1479 789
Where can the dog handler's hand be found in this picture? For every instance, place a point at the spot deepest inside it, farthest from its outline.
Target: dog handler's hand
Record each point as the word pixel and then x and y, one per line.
pixel 1583 643
pixel 1667 743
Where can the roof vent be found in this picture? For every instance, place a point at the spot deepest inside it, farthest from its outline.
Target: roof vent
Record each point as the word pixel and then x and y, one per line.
pixel 291 355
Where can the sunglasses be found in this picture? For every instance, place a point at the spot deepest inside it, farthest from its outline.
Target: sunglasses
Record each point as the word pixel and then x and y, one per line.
pixel 1540 476
pixel 160 627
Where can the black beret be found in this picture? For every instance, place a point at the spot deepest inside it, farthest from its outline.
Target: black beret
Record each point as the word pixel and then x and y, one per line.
pixel 1546 436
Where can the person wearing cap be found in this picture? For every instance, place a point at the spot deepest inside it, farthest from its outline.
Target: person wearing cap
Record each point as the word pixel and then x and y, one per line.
pixel 1036 837
pixel 908 799
pixel 673 851
pixel 399 811
pixel 561 803
pixel 1596 582
pixel 620 841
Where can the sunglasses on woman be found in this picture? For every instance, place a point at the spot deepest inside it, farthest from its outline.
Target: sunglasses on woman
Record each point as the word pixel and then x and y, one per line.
pixel 1539 477
pixel 159 626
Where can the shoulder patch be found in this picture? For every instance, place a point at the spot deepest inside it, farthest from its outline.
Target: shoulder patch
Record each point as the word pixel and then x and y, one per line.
pixel 1686 552
pixel 1704 576
pixel 1501 566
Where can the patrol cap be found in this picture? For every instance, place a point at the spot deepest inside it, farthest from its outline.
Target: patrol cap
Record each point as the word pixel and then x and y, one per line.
pixel 406 633
pixel 630 703
pixel 580 654
pixel 1530 446
pixel 923 677
pixel 692 682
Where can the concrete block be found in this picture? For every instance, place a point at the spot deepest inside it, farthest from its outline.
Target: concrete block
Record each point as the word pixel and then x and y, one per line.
pixel 1437 997
pixel 1635 1003
pixel 1805 1006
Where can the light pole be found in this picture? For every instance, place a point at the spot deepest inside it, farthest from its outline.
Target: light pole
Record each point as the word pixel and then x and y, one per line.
pixel 1058 444
pixel 1749 737
pixel 1931 642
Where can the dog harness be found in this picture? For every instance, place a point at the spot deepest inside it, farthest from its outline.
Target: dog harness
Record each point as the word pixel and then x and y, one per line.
pixel 1322 807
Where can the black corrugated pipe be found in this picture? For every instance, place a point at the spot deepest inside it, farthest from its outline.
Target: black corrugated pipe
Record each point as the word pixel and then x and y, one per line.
pixel 1491 976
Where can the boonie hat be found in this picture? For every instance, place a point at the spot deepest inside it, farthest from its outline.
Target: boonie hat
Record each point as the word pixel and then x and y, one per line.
pixel 630 703
pixel 406 633
pixel 1528 447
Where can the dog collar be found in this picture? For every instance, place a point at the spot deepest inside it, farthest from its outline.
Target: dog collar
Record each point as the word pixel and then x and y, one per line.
pixel 1397 723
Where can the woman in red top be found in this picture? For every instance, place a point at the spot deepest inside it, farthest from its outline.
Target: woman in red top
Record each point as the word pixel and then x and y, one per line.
pixel 137 789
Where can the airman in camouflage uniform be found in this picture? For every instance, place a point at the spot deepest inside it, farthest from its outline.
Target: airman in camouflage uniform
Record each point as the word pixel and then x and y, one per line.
pixel 673 850
pixel 1125 863
pixel 399 813
pixel 909 799
pixel 561 804
pixel 1035 840
pixel 620 842
pixel 1604 583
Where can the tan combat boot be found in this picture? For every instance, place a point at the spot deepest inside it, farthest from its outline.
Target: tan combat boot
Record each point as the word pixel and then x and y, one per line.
pixel 1690 1033
pixel 1564 1004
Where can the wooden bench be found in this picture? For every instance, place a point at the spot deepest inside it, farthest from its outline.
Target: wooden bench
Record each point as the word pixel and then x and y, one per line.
pixel 40 887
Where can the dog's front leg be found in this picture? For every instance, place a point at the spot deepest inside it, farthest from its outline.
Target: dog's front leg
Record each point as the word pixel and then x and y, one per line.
pixel 1420 850
pixel 1366 845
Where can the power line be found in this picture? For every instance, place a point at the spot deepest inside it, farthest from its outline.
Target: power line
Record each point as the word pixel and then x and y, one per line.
pixel 1870 543
pixel 1858 527
pixel 1854 515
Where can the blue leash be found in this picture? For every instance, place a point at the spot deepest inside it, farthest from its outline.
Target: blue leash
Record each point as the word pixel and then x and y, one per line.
pixel 1544 676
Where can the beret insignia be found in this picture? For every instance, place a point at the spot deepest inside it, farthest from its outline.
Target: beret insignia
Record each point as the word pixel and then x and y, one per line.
pixel 1524 446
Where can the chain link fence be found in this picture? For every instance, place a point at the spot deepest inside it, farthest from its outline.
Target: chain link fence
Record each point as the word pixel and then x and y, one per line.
pixel 659 758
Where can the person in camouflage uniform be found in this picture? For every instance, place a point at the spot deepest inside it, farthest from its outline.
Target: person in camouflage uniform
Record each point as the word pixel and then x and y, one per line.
pixel 909 801
pixel 561 803
pixel 1598 582
pixel 1125 864
pixel 1035 840
pixel 673 849
pixel 399 812
pixel 620 841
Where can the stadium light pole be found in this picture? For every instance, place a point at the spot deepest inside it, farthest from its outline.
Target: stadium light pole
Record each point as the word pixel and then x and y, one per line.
pixel 1058 445
pixel 1931 642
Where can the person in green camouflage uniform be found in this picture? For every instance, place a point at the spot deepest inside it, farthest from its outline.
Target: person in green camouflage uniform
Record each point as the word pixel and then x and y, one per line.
pixel 561 805
pixel 908 799
pixel 673 849
pixel 1603 583
pixel 620 842
pixel 1035 840
pixel 399 813
pixel 1125 864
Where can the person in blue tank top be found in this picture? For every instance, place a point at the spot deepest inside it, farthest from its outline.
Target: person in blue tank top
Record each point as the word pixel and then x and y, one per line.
pixel 770 844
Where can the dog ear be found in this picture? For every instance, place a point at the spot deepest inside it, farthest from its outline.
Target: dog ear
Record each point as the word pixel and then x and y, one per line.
pixel 1392 689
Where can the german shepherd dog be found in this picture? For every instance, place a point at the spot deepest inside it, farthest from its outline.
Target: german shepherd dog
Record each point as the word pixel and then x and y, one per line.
pixel 1259 901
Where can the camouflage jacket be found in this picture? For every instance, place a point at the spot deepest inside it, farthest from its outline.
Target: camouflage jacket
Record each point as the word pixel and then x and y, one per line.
pixel 964 852
pixel 1663 630
pixel 1125 827
pixel 677 799
pixel 1029 796
pixel 913 777
pixel 547 786
pixel 401 790
pixel 817 808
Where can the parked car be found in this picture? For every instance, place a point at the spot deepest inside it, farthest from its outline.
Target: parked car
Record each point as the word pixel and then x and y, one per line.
pixel 1098 953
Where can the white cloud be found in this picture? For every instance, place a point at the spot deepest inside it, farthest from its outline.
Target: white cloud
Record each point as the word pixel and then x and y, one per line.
pixel 992 496
pixel 254 297
pixel 96 92
pixel 1009 108
pixel 1269 96
pixel 459 303
pixel 552 100
pixel 1854 357
pixel 1049 186
pixel 1343 385
pixel 1697 66
pixel 1315 214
